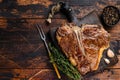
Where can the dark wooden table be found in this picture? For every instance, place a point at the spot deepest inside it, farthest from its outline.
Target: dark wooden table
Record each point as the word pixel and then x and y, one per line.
pixel 22 52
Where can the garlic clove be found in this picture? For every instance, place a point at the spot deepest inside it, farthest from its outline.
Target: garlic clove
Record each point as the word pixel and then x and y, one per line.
pixel 107 60
pixel 110 53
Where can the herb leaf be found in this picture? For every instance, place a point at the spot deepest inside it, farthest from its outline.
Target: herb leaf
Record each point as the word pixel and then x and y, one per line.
pixel 63 64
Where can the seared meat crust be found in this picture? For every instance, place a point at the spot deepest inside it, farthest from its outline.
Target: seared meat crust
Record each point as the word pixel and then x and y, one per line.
pixel 83 46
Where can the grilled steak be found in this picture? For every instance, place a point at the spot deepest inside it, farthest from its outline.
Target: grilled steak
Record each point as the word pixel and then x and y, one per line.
pixel 83 46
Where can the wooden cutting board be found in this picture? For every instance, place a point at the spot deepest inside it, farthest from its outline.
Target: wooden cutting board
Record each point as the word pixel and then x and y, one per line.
pixel 91 18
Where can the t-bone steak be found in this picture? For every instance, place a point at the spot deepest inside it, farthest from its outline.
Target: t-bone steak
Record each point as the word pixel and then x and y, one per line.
pixel 83 45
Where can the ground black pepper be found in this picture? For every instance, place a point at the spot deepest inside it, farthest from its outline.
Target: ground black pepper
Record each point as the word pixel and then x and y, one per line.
pixel 110 15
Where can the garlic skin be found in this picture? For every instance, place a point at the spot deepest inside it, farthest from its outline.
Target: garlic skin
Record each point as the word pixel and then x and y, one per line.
pixel 110 53
pixel 107 60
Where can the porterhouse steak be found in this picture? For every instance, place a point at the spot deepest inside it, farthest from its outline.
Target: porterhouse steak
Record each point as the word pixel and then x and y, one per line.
pixel 84 45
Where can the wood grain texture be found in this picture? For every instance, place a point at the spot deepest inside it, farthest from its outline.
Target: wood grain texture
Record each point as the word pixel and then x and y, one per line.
pixel 48 74
pixel 40 8
pixel 22 52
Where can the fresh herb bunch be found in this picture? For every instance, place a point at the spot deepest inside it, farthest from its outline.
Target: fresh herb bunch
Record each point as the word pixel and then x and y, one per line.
pixel 63 64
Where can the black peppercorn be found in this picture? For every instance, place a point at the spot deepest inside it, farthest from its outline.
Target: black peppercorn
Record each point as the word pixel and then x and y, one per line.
pixel 110 15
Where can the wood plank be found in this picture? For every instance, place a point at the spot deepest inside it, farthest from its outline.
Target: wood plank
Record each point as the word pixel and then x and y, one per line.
pixel 19 74
pixel 21 46
pixel 38 11
pixel 115 33
pixel 29 74
pixel 48 2
pixel 25 74
pixel 40 8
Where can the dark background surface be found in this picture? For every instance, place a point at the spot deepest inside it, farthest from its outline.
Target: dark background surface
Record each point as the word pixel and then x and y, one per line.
pixel 22 52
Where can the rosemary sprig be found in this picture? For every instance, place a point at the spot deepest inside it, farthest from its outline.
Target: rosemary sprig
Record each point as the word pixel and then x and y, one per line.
pixel 63 64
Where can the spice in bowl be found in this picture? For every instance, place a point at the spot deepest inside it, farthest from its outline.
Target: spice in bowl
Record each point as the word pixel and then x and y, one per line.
pixel 110 15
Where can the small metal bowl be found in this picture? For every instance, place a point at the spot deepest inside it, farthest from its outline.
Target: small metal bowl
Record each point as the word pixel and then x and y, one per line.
pixel 110 16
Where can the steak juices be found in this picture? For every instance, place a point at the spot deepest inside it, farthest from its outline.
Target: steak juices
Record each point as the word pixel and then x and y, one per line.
pixel 83 46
